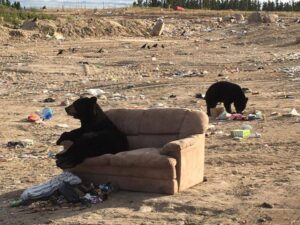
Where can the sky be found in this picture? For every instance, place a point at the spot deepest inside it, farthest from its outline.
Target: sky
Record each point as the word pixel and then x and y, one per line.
pixel 76 3
pixel 81 3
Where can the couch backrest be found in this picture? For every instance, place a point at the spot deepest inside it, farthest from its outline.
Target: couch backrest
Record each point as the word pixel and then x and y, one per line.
pixel 156 127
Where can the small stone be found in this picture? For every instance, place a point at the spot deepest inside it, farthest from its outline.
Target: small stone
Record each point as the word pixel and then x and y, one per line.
pixel 130 86
pixel 145 209
pixel 48 100
pixel 234 172
pixel 266 205
pixel 65 103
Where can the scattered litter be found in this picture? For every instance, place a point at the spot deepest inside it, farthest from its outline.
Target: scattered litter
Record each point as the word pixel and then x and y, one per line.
pixel 51 155
pixel 33 117
pixel 255 135
pixel 46 189
pixel 224 116
pixel 47 113
pixel 293 112
pixel 237 116
pixel 62 125
pixel 20 144
pixel 240 133
pixel 95 92
pixel 291 70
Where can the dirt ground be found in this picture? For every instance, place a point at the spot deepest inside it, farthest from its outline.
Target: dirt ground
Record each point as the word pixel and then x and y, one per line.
pixel 241 175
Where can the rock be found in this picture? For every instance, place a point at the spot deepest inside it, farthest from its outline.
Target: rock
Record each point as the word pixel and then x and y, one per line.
pixel 270 18
pixel 65 103
pixel 16 33
pixel 58 36
pixel 95 92
pixel 158 105
pixel 29 24
pixel 145 209
pixel 48 100
pixel 239 17
pixel 255 17
pixel 158 27
pixel 103 98
pixel 219 19
pixel 264 219
pixel 266 205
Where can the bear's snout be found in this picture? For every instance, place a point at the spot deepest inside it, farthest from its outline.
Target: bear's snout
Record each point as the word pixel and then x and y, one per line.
pixel 71 111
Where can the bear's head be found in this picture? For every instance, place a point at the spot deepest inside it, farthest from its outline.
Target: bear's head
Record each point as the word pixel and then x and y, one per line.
pixel 85 109
pixel 240 105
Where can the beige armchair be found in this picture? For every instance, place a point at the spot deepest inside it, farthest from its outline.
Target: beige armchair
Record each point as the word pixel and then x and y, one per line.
pixel 166 151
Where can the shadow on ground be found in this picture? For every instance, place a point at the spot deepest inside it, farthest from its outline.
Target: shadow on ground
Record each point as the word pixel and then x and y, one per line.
pixel 26 215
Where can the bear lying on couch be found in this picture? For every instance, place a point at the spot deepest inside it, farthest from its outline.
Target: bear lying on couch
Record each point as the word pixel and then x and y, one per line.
pixel 96 136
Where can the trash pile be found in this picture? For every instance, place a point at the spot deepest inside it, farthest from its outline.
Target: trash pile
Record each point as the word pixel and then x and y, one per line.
pixel 46 114
pixel 237 116
pixel 62 189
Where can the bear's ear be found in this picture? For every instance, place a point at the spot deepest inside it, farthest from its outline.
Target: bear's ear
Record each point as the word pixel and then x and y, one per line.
pixel 93 99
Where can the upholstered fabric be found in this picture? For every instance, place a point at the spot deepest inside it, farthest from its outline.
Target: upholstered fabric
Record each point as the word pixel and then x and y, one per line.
pixel 167 151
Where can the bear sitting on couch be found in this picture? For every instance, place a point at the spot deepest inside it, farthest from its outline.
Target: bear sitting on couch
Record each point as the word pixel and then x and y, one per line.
pixel 96 136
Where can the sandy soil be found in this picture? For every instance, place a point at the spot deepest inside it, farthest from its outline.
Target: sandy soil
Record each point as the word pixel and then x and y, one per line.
pixel 241 175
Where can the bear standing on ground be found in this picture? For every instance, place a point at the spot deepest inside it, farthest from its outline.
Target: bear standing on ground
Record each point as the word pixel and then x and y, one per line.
pixel 227 93
pixel 96 136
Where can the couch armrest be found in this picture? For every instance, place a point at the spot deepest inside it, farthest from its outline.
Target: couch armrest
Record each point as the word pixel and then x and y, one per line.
pixel 181 144
pixel 189 154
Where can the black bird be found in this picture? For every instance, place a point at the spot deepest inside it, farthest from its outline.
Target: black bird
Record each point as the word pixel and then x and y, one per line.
pixel 60 51
pixel 154 46
pixel 148 47
pixel 100 50
pixel 144 46
pixel 73 50
pixel 183 33
pixel 162 46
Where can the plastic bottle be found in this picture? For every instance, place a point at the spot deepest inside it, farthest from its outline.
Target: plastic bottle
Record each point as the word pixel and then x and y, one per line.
pixel 47 113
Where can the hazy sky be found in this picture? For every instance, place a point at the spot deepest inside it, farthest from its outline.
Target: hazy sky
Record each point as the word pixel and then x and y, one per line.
pixel 81 3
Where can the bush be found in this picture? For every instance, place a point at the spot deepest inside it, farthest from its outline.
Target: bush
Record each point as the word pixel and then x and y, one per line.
pixel 15 16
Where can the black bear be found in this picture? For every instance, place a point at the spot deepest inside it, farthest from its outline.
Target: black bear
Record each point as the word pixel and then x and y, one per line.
pixel 96 136
pixel 227 93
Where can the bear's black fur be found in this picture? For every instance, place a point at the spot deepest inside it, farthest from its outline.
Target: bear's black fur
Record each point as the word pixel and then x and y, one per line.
pixel 96 136
pixel 227 93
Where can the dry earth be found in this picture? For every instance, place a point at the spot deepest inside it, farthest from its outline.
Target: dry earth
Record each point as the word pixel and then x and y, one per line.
pixel 241 175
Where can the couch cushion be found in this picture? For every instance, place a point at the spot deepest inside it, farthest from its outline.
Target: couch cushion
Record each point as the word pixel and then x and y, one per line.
pixel 147 141
pixel 166 173
pixel 145 157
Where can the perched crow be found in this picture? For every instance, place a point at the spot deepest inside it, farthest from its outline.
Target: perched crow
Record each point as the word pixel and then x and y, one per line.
pixel 60 51
pixel 154 46
pixel 144 46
